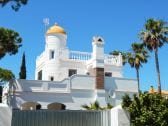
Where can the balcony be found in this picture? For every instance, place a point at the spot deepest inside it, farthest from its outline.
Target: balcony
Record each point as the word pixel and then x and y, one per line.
pixel 85 56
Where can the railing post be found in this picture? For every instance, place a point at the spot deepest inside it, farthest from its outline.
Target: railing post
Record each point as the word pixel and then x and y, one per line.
pixel 120 59
pixel 75 55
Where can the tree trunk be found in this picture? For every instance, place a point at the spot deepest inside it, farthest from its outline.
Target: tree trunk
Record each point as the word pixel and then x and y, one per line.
pixel 137 72
pixel 158 70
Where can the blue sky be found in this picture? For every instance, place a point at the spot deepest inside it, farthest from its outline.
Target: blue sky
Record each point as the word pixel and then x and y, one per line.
pixel 117 21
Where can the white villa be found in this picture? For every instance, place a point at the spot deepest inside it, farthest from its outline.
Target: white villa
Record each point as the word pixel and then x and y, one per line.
pixel 73 78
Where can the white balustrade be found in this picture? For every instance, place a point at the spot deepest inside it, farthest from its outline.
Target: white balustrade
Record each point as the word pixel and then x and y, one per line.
pixel 76 55
pixel 85 56
pixel 112 60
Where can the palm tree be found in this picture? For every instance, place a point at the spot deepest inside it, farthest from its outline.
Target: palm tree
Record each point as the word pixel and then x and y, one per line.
pixel 93 106
pixel 138 56
pixel 96 106
pixel 154 37
pixel 135 58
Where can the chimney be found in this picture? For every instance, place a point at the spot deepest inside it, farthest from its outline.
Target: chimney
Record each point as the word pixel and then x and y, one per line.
pixel 98 61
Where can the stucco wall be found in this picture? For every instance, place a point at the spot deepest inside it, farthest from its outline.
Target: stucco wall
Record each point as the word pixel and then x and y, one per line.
pixel 121 84
pixel 119 117
pixel 118 87
pixel 73 92
pixel 5 115
pixel 82 82
pixel 72 100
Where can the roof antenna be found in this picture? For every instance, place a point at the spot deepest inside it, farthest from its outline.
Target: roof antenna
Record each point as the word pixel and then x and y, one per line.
pixel 46 23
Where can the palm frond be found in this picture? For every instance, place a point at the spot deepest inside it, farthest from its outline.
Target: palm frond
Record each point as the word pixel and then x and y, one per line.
pixel 155 34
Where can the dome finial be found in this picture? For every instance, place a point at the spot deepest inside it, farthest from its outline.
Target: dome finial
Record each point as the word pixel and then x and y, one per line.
pixel 55 23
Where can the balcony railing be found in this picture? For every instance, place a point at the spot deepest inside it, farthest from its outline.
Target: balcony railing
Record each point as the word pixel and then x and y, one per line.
pixel 112 60
pixel 76 55
pixel 84 56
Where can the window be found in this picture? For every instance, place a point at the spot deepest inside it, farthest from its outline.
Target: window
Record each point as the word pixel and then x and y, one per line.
pixel 72 72
pixel 40 75
pixel 51 78
pixel 108 74
pixel 87 73
pixel 52 54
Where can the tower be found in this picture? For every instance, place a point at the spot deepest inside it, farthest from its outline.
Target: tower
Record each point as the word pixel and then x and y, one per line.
pixel 47 64
pixel 98 61
pixel 98 68
pixel 56 39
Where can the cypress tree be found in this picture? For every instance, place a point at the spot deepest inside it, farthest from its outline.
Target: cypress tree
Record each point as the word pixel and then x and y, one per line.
pixel 22 73
pixel 0 94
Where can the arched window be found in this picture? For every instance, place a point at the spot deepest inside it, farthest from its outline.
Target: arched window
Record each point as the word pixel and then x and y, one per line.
pixel 51 78
pixel 40 74
pixel 52 54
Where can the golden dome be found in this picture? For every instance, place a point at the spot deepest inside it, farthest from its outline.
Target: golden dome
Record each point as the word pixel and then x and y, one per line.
pixel 55 29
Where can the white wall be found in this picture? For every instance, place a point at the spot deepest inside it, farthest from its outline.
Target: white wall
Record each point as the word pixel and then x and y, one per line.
pixel 5 115
pixel 56 41
pixel 118 87
pixel 50 67
pixel 65 65
pixel 42 86
pixel 119 117
pixel 74 91
pixel 115 70
pixel 82 82
pixel 121 84
pixel 46 92
pixel 72 100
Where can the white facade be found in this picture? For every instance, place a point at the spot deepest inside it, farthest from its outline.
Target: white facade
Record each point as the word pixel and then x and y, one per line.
pixel 69 77
pixel 73 92
pixel 56 60
pixel 119 117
